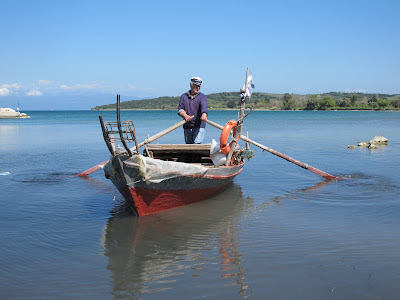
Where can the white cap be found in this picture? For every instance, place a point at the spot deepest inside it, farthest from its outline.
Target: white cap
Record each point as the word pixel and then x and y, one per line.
pixel 196 80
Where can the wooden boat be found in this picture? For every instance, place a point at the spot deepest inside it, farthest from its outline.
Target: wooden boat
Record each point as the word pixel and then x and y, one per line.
pixel 171 175
pixel 175 175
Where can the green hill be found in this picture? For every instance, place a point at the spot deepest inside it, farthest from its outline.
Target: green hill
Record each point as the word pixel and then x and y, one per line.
pixel 267 101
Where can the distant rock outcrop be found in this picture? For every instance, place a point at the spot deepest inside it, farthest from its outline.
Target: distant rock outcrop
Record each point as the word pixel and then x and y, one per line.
pixel 379 140
pixel 376 142
pixel 363 144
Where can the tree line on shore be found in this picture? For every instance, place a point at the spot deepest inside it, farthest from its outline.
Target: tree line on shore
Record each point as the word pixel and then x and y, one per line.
pixel 268 101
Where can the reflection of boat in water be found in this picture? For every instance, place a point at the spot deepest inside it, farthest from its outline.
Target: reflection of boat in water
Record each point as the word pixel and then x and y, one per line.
pixel 151 253
pixel 297 193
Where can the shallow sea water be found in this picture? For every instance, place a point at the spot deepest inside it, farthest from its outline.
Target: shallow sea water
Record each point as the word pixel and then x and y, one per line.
pixel 279 232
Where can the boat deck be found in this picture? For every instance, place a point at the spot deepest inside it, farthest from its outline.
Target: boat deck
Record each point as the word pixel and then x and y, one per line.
pixel 180 148
pixel 189 153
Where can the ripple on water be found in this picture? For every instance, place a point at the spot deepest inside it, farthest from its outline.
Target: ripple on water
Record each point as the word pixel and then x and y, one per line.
pixel 42 177
pixel 356 189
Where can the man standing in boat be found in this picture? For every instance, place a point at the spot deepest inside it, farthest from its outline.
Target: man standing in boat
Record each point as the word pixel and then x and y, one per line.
pixel 193 108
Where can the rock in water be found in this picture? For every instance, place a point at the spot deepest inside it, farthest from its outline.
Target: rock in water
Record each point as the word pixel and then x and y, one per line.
pixel 363 144
pixel 379 140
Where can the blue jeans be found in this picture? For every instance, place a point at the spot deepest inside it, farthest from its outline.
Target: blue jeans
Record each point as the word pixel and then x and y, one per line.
pixel 194 135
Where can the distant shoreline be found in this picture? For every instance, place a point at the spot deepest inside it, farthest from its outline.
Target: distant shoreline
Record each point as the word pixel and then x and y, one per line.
pixel 273 102
pixel 232 109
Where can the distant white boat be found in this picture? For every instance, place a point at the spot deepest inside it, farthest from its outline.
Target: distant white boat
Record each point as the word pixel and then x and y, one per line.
pixel 8 113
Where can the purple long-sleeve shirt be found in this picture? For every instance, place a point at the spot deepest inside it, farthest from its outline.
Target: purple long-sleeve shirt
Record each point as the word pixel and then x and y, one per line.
pixel 195 106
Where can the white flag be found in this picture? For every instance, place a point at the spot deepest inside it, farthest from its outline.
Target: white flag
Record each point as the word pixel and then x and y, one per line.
pixel 249 88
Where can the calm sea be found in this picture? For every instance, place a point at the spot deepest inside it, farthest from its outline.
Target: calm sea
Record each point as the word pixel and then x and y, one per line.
pixel 279 232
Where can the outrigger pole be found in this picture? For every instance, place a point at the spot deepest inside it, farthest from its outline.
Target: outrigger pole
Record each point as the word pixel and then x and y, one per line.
pixel 288 158
pixel 147 141
pixel 238 135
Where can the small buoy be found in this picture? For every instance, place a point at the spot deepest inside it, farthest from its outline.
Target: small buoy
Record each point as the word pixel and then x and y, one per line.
pixel 351 147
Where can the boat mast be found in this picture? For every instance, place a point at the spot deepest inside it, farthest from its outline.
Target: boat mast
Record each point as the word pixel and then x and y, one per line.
pixel 240 120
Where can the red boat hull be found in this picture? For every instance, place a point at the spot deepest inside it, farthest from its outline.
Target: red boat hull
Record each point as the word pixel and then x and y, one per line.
pixel 151 197
pixel 149 201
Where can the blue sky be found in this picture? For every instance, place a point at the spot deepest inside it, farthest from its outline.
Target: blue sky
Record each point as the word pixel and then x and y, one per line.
pixel 78 54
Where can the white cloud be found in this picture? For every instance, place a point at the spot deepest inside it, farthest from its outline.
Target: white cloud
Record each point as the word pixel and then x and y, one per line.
pixel 43 81
pixel 4 91
pixel 79 86
pixel 12 85
pixel 7 88
pixel 34 93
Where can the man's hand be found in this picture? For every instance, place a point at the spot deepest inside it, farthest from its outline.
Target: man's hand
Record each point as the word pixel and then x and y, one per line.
pixel 204 117
pixel 188 118
pixel 184 115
